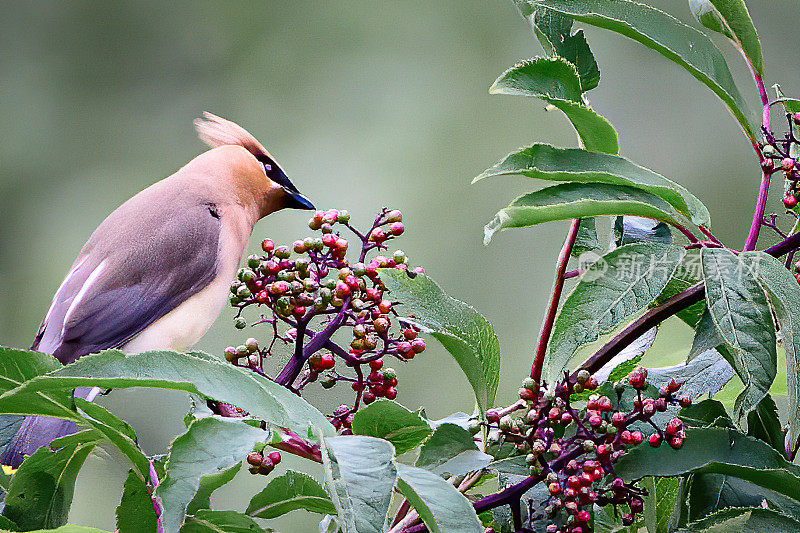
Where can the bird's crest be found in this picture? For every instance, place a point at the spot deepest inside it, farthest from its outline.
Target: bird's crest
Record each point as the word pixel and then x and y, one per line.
pixel 216 131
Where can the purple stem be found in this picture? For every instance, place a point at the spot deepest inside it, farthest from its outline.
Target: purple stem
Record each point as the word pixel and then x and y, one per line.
pixel 761 202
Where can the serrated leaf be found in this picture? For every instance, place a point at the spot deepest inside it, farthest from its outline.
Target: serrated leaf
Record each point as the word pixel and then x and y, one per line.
pixel 586 238
pixel 739 309
pixel 784 296
pixel 208 484
pixel 135 513
pixel 706 413
pixel 715 451
pixel 748 520
pixel 451 449
pixel 462 331
pixel 208 446
pixel 387 419
pixel 580 200
pixel 291 491
pixel 440 506
pixel 208 521
pixel 544 161
pixel 763 423
pixel 359 475
pixel 665 34
pixel 42 488
pixel 556 81
pixel 51 394
pixel 554 31
pixel 687 274
pixel 659 502
pixel 622 282
pixel 713 492
pixel 731 18
pixel 706 374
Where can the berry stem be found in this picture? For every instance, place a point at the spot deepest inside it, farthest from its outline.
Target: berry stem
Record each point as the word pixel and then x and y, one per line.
pixel 555 297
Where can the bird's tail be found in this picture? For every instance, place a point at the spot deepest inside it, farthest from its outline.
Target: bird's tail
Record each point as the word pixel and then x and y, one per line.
pixel 38 431
pixel 35 432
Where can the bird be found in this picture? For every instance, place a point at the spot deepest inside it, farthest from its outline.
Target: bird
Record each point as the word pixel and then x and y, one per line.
pixel 156 273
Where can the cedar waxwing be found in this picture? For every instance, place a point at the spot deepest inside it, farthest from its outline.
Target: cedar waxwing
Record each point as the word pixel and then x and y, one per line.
pixel 156 273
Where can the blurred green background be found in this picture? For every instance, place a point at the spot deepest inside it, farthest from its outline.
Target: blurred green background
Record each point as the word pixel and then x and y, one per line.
pixel 365 104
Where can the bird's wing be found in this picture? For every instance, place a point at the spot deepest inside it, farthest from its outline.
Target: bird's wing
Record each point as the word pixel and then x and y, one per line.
pixel 116 289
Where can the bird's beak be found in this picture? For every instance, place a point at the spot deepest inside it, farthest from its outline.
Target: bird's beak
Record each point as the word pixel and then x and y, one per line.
pixel 295 200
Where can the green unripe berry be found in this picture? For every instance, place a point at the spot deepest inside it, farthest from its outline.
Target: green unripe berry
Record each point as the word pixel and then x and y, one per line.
pixel 389 373
pixel 506 423
pixel 253 261
pixel 769 151
pixel 282 252
pixel 327 383
pixel 394 216
pixel 399 257
pixel 359 269
pixel 243 292
pixel 344 217
pixel 589 446
pixel 242 350
pixel 286 275
pixel 245 274
pixel 234 300
pixel 301 264
pixel 531 459
pixel 583 376
pixel 536 469
pixel 529 383
pixel 240 323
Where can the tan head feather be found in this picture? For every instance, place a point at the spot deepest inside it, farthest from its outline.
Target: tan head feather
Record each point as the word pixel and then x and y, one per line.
pixel 216 131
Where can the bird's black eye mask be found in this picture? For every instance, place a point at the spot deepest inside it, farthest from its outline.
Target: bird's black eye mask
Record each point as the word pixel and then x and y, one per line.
pixel 276 173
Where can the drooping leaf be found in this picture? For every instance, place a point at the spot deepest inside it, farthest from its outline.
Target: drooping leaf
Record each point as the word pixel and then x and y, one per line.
pixel 624 281
pixel 291 491
pixel 463 332
pixel 208 484
pixel 440 506
pixel 665 34
pixel 389 420
pixel 135 513
pixel 715 451
pixel 706 413
pixel 208 446
pixel 628 230
pixel 739 309
pixel 51 394
pixel 586 239
pixel 554 31
pixel 659 502
pixel 359 474
pixel 544 161
pixel 731 18
pixel 784 296
pixel 451 449
pixel 580 200
pixel 687 274
pixel 556 81
pixel 706 374
pixel 713 492
pixel 208 521
pixel 747 520
pixel 763 423
pixel 42 488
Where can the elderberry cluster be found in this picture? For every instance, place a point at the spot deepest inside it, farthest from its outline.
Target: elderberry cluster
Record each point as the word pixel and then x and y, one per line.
pixel 313 290
pixel 777 156
pixel 573 446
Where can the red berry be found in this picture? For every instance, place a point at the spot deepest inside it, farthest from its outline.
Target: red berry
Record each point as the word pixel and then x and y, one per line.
pixel 275 457
pixel 637 378
pixel 676 442
pixel 267 245
pixel 591 384
pixel 299 311
pixel 254 459
pixel 368 397
pixel 595 421
pixel 625 437
pixel 377 236
pixel 492 416
pixel 342 290
pixel 618 419
pixel 554 488
pixel 637 437
pixel 409 334
pixel 357 386
pixel 376 364
pixel 796 118
pixel 583 516
pixel 397 229
pixel 418 345
pixel 554 413
pixel 654 440
pixel 390 393
pixel 789 201
pixel 627 519
pixel 526 394
pixel 673 427
pixel 787 163
pixel 673 386
pixel 586 479
pixel 685 401
pixel 374 294
pixel 604 403
pixel 384 306
pixel 566 418
pixel 637 505
pixel 327 362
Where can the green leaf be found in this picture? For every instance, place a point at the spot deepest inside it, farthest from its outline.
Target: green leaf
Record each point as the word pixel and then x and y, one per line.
pixel 359 474
pixel 706 413
pixel 18 366
pixel 42 488
pixel 546 162
pixel 586 238
pixel 763 423
pixel 706 374
pixel 208 446
pixel 665 34
pixel 731 18
pixel 580 200
pixel 715 451
pixel 556 81
pixel 739 309
pixel 135 513
pixel 208 484
pixel 747 520
pixel 624 281
pixel 659 502
pixel 462 331
pixel 628 230
pixel 207 521
pixel 554 31
pixel 687 274
pixel 784 296
pixel 389 420
pixel 712 492
pixel 51 394
pixel 118 432
pixel 72 528
pixel 451 449
pixel 440 506
pixel 289 492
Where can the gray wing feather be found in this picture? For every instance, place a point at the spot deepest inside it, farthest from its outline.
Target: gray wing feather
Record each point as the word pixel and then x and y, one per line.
pixel 151 267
